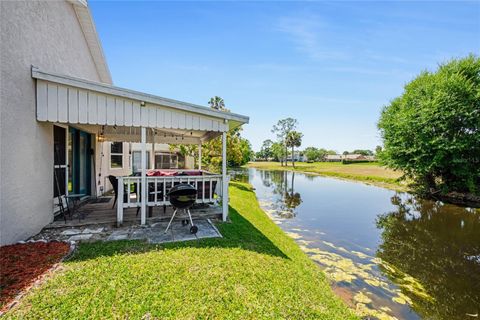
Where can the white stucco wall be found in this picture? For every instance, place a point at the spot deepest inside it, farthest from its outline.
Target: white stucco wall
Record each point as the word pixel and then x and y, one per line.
pixel 47 35
pixel 103 166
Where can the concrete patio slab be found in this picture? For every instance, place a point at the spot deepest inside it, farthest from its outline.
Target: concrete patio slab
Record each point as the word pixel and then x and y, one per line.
pixel 118 235
pixel 70 232
pixel 152 233
pixel 161 237
pixel 94 230
pixel 79 237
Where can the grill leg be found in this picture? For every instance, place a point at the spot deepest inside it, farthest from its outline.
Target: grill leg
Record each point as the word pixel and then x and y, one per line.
pixel 171 219
pixel 190 216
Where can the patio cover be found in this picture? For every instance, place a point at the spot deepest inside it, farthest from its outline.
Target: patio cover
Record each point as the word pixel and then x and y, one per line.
pixel 65 99
pixel 118 114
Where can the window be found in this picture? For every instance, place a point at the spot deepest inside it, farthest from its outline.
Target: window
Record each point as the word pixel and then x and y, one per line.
pixel 116 155
pixel 169 161
pixel 137 161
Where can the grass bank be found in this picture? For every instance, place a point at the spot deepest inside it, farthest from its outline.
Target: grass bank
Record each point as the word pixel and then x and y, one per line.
pixel 371 173
pixel 254 272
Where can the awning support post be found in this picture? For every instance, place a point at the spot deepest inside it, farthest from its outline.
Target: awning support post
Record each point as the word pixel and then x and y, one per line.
pixel 120 202
pixel 224 177
pixel 200 156
pixel 143 193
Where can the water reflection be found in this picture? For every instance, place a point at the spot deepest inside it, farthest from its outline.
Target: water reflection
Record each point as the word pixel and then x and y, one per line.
pixel 438 244
pixel 392 256
pixel 282 186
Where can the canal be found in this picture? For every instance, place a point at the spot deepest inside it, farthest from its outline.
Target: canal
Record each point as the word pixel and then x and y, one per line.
pixel 387 254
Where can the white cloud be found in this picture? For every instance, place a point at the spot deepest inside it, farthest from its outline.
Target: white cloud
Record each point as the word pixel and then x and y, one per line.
pixel 311 35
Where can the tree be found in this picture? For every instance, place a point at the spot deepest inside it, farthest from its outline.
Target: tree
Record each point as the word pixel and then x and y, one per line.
pixel 265 151
pixel 432 131
pixel 315 154
pixel 217 103
pixel 293 139
pixel 331 152
pixel 323 153
pixel 311 153
pixel 278 152
pixel 239 150
pixel 281 129
pixel 378 150
pixel 246 151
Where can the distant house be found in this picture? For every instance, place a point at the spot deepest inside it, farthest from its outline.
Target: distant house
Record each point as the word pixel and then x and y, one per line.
pixel 358 158
pixel 348 157
pixel 333 158
pixel 297 156
pixel 354 157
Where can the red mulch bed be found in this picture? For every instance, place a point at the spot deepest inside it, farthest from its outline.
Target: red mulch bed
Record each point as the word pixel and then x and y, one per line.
pixel 22 264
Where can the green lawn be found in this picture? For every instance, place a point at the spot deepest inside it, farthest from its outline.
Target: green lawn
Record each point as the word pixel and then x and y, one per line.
pixel 254 272
pixel 369 172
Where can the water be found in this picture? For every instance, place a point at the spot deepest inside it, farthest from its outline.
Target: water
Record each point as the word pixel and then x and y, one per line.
pixel 388 254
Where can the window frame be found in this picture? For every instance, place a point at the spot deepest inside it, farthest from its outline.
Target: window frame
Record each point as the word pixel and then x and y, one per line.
pixel 170 157
pixel 116 154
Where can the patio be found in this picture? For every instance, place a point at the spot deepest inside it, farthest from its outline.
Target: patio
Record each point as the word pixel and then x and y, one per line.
pixel 92 212
pixel 111 114
pixel 152 232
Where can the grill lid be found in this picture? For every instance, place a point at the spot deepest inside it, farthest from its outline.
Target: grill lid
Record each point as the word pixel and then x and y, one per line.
pixel 182 195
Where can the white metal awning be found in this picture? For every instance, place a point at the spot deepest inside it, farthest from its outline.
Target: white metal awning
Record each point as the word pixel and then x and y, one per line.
pixel 118 111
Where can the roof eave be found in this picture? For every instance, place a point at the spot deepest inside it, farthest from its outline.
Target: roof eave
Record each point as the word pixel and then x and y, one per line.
pixel 234 119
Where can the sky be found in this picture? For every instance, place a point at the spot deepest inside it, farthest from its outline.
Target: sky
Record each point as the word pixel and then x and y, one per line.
pixel 332 66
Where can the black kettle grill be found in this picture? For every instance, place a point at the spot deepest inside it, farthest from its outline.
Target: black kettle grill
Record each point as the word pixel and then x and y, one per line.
pixel 183 196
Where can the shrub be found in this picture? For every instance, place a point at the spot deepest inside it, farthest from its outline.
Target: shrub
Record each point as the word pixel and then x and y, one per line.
pixel 432 131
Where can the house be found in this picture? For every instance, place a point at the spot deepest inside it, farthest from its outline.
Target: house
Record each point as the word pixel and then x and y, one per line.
pixel 358 158
pixel 297 156
pixel 333 158
pixel 354 157
pixel 61 116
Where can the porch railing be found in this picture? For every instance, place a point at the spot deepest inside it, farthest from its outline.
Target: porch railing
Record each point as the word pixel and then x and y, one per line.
pixel 209 188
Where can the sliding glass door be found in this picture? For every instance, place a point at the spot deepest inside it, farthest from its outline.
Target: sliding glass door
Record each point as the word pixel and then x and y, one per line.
pixel 79 160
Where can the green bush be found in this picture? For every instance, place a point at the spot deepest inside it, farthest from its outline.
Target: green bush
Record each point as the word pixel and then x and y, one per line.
pixel 432 131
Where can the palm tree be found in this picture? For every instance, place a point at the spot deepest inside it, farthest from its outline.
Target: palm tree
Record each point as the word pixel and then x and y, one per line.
pixel 217 103
pixel 294 139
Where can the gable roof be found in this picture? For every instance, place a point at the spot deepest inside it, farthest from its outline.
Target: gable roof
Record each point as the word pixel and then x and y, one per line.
pixel 87 24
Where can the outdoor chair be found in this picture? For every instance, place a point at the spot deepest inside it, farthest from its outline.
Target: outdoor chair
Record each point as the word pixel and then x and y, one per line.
pixel 114 182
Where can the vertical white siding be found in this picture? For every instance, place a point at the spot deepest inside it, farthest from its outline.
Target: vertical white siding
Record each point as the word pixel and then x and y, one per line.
pixel 128 113
pixel 119 112
pixel 92 108
pixel 52 107
pixel 72 105
pixel 82 106
pixel 110 111
pixel 102 109
pixel 61 103
pixel 136 114
pixel 41 100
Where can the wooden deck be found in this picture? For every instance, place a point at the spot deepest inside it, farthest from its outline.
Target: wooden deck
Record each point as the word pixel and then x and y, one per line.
pixel 102 213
